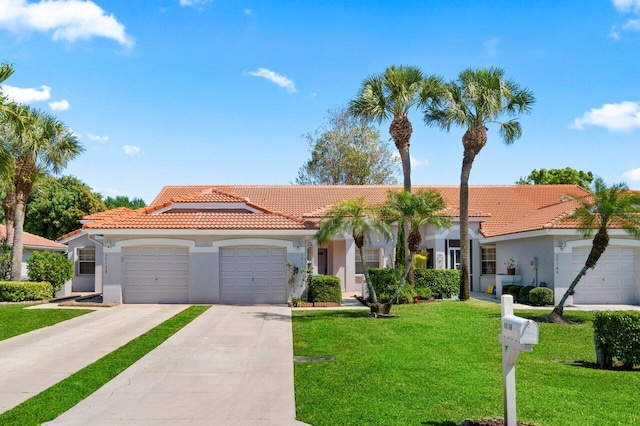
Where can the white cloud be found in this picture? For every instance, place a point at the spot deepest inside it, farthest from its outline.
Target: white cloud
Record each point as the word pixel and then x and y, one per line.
pixel 615 34
pixel 491 46
pixel 633 175
pixel 414 161
pixel 131 149
pixel 632 24
pixel 23 96
pixel 248 12
pixel 69 20
pixel 62 105
pixel 621 117
pixel 194 3
pixel 274 77
pixel 627 6
pixel 97 138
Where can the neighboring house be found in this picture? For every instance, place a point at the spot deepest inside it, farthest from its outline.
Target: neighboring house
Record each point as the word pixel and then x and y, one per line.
pixel 33 243
pixel 239 244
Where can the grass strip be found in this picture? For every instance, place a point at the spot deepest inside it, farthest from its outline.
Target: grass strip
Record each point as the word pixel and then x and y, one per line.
pixel 16 320
pixel 57 399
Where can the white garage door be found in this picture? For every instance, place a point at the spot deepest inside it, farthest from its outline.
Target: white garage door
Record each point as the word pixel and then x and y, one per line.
pixel 156 275
pixel 253 275
pixel 613 280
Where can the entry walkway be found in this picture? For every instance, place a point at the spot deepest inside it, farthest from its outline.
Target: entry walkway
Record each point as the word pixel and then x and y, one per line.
pixel 32 362
pixel 232 365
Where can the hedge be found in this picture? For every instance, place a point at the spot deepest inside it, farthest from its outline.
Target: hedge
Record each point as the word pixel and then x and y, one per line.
pixel 324 288
pixel 523 295
pixel 428 282
pixel 541 296
pixel 19 291
pixel 617 338
pixel 513 290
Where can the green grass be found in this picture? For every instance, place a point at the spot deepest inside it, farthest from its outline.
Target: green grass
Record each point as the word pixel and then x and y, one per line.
pixel 57 399
pixel 16 320
pixel 440 363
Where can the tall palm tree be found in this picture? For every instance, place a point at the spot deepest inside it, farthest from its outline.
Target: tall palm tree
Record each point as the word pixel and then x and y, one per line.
pixel 6 113
pixel 477 98
pixel 362 220
pixel 41 144
pixel 390 96
pixel 604 208
pixel 414 211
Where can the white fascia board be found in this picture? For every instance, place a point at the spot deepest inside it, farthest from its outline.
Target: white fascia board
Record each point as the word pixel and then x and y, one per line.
pixel 206 206
pixel 191 232
pixel 531 234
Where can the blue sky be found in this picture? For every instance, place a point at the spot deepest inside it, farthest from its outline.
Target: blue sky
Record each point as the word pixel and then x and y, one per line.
pixel 215 92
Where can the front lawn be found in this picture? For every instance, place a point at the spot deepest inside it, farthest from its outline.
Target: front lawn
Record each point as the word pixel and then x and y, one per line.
pixel 16 320
pixel 440 363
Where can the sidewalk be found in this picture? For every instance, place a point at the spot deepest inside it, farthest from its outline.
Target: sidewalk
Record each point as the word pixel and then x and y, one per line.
pixel 491 298
pixel 32 362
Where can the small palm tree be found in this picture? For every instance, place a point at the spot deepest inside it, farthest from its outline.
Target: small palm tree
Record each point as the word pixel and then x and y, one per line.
pixel 414 211
pixel 390 96
pixel 39 144
pixel 604 208
pixel 362 220
pixel 477 98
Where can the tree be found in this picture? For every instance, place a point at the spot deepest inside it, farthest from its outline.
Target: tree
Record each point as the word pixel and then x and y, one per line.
pixel 39 145
pixel 566 176
pixel 413 211
pixel 6 113
pixel 604 208
pixel 362 220
pixel 390 96
pixel 58 205
pixel 347 151
pixel 124 201
pixel 477 98
pixel 54 268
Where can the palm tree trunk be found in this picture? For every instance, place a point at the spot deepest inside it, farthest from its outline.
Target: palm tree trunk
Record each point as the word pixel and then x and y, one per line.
pixel 400 130
pixel 8 206
pixel 405 158
pixel 559 308
pixel 467 162
pixel 16 251
pixel 372 292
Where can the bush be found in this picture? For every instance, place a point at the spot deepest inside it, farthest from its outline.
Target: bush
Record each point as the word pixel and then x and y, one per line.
pixel 324 288
pixel 385 282
pixel 5 261
pixel 20 291
pixel 617 338
pixel 424 292
pixel 53 268
pixel 541 296
pixel 439 281
pixel 523 295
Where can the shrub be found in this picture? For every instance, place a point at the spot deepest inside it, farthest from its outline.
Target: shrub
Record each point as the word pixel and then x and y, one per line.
pixel 385 282
pixel 424 292
pixel 514 290
pixel 505 288
pixel 617 337
pixel 523 295
pixel 324 288
pixel 439 281
pixel 541 296
pixel 5 261
pixel 51 267
pixel 20 291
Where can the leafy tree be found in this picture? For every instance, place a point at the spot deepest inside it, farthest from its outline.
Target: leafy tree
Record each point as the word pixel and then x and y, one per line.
pixel 413 211
pixel 362 220
pixel 566 176
pixel 124 201
pixel 54 268
pixel 477 98
pixel 39 144
pixel 347 151
pixel 390 96
pixel 604 208
pixel 57 206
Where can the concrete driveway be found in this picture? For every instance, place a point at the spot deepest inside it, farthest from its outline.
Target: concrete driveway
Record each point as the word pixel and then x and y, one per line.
pixel 232 365
pixel 32 362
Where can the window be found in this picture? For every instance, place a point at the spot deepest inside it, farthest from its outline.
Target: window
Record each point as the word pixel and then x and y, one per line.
pixel 488 260
pixel 372 258
pixel 86 261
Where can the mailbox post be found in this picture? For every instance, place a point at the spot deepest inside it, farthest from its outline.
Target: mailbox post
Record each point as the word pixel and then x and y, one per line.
pixel 517 335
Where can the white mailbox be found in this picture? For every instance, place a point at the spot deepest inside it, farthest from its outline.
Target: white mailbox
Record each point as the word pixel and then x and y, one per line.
pixel 519 333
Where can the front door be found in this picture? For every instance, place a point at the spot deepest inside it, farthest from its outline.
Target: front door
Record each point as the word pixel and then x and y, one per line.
pixel 454 258
pixel 322 261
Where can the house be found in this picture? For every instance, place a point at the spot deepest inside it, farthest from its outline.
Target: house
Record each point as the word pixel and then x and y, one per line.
pixel 250 243
pixel 33 243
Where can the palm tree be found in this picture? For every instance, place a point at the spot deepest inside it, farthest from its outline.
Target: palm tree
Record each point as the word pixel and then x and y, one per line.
pixel 359 218
pixel 414 211
pixel 477 98
pixel 6 114
pixel 604 208
pixel 40 144
pixel 390 96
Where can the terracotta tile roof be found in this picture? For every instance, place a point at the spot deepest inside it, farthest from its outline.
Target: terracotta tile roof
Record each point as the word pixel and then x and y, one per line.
pixel 118 211
pixel 204 220
pixel 35 241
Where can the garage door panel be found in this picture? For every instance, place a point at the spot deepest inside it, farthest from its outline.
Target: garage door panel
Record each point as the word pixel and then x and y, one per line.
pixel 156 275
